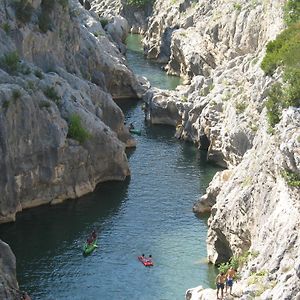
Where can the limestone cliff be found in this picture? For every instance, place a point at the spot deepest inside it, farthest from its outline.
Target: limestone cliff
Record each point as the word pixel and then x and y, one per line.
pixel 57 63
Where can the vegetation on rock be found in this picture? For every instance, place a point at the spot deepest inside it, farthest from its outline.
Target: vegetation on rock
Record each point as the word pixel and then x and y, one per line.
pixel 51 93
pixel 10 62
pixel 76 130
pixel 138 3
pixel 284 52
pixel 292 179
pixel 23 10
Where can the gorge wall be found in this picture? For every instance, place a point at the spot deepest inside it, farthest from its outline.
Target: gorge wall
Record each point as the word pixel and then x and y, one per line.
pixel 42 88
pixel 61 132
pixel 217 46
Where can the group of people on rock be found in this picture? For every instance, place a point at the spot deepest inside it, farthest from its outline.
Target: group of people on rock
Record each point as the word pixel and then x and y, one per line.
pixel 225 280
pixel 91 239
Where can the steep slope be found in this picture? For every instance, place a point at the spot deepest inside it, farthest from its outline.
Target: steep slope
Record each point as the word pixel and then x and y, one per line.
pixel 58 67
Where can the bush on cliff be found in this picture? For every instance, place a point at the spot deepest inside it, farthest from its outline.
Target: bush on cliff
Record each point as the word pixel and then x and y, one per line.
pixel 10 62
pixel 76 130
pixel 292 11
pixel 283 52
pixel 23 10
pixel 138 3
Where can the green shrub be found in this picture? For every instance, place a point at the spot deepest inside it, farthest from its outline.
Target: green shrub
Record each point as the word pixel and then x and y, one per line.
pixel 292 11
pixel 44 104
pixel 48 5
pixel 274 104
pixel 39 74
pixel 285 50
pixel 237 6
pixel 224 267
pixel 5 104
pixel 292 90
pixel 76 130
pixel 31 85
pixel 103 22
pixel 51 93
pixel 16 94
pixel 23 11
pixel 10 62
pixel 44 22
pixel 292 179
pixel 240 107
pixel 6 27
pixel 24 69
pixel 63 3
pixel 138 3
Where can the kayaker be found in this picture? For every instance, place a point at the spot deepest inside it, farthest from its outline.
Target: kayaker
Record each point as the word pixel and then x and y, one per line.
pixel 94 235
pixel 89 241
pixel 131 127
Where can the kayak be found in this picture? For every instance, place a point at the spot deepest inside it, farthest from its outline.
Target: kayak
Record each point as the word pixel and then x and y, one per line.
pixel 89 248
pixel 147 262
pixel 135 131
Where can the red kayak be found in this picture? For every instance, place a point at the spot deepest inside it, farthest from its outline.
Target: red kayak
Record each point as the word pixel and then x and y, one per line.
pixel 147 262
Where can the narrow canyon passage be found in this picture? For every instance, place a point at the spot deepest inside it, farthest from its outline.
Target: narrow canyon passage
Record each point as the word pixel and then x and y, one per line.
pixel 151 213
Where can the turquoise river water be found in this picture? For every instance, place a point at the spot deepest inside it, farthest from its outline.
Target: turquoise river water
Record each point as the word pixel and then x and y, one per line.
pixel 150 212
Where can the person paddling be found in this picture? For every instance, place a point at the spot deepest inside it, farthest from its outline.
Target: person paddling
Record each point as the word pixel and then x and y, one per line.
pixel 94 235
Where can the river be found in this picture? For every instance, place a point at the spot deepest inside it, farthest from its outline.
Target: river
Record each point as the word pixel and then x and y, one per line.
pixel 151 213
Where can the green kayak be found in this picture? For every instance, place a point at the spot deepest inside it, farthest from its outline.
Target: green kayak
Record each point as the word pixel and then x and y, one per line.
pixel 135 131
pixel 89 248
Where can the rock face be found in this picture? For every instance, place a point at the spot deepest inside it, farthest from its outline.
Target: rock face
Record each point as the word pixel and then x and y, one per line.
pixel 218 51
pixel 9 289
pixel 136 16
pixel 257 211
pixel 41 89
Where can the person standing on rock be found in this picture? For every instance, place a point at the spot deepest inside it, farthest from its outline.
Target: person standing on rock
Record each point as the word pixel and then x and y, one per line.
pixel 230 275
pixel 220 282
